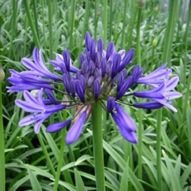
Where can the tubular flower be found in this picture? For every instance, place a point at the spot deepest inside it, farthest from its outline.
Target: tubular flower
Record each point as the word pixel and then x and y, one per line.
pixel 102 76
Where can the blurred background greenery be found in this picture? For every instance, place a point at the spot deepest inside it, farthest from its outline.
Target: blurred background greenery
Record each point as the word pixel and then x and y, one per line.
pixel 160 31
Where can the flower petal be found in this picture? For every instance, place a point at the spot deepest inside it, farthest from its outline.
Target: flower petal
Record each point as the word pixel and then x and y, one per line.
pixel 115 66
pixel 124 119
pixel 127 59
pixel 128 135
pixel 156 93
pixel 110 50
pixel 125 130
pixel 66 56
pixel 110 104
pixel 172 83
pixel 124 87
pixel 148 105
pixel 80 90
pixel 97 88
pixel 28 107
pixel 76 129
pixel 57 126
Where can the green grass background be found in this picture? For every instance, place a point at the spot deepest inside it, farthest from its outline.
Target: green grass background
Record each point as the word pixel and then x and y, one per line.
pixel 162 158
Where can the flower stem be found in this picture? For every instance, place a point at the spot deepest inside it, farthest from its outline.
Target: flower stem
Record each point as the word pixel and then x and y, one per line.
pixel 105 22
pixel 86 19
pixel 110 20
pixel 174 7
pixel 185 52
pixel 173 14
pixel 2 156
pixel 35 17
pixel 60 162
pixel 124 25
pixel 97 145
pixel 71 22
pixel 50 28
pixel 138 49
pixel 34 31
pixel 96 18
pixel 50 165
pixel 158 131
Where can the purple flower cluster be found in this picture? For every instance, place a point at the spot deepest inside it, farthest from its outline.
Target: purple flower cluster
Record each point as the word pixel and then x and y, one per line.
pixel 102 77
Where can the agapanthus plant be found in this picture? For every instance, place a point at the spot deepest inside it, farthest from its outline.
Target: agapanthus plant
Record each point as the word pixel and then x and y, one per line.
pixel 102 78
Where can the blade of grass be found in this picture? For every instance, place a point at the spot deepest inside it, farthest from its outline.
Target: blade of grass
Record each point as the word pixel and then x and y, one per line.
pixel 79 182
pixel 140 126
pixel 124 25
pixel 86 18
pixel 34 182
pixel 96 18
pixel 50 28
pixel 71 23
pixel 2 143
pixel 49 162
pixel 60 161
pixel 31 23
pixel 104 21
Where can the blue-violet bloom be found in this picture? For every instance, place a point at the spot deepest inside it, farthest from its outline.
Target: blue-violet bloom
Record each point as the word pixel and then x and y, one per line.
pixel 102 77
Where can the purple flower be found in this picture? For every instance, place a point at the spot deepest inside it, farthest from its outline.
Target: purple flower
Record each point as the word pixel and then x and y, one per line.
pixel 161 94
pixel 102 76
pixel 124 122
pixel 36 105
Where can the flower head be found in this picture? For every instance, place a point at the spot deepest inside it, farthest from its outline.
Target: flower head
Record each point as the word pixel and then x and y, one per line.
pixel 102 76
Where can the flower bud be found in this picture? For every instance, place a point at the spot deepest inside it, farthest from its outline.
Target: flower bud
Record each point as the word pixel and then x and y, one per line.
pixel 155 41
pixel 141 3
pixel 2 73
pixel 34 92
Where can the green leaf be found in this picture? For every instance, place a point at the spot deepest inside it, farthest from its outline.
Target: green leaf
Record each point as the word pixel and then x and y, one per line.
pixel 81 159
pixel 119 160
pixel 51 143
pixel 19 183
pixel 173 176
pixel 34 182
pixel 186 175
pixel 79 182
pixel 124 179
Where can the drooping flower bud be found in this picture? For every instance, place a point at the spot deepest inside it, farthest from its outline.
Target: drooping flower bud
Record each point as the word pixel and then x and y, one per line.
pixel 2 73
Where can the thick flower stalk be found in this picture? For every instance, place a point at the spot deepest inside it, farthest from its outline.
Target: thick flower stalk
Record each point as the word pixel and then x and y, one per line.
pixel 102 76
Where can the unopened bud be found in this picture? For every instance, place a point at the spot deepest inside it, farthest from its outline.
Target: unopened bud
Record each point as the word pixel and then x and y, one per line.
pixel 2 73
pixel 155 41
pixel 34 92
pixel 141 3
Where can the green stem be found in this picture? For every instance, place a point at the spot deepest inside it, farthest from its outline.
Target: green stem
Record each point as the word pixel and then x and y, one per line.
pixel 13 27
pixel 35 17
pixel 140 131
pixel 50 165
pixel 105 22
pixel 34 33
pixel 60 162
pixel 96 18
pixel 188 80
pixel 2 155
pixel 124 25
pixel 173 15
pixel 131 22
pixel 98 146
pixel 86 19
pixel 71 23
pixel 158 131
pixel 110 18
pixel 50 27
